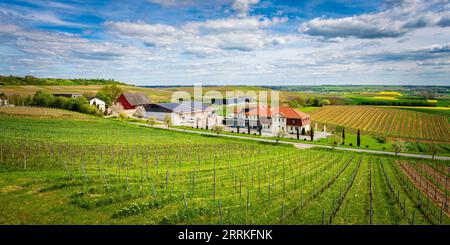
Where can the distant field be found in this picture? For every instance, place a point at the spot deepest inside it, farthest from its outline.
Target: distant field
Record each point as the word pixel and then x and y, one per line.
pixel 161 94
pixel 442 111
pixel 391 122
pixel 55 170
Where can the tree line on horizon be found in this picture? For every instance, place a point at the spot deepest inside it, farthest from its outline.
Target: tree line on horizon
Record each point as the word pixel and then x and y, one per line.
pixel 31 80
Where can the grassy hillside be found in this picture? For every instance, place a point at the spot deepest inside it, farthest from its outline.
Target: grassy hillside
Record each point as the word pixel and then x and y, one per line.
pixel 387 121
pixel 77 169
pixel 30 80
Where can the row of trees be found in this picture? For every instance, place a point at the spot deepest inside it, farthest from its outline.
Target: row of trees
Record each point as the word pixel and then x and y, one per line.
pixel 80 104
pixel 31 80
pixel 298 101
pixel 43 99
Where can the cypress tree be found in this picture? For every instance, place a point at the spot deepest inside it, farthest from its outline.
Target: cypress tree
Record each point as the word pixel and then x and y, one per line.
pixel 343 136
pixel 312 134
pixel 303 131
pixel 358 138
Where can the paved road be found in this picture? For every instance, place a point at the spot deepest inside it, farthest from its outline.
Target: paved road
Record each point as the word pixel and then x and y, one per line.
pixel 299 145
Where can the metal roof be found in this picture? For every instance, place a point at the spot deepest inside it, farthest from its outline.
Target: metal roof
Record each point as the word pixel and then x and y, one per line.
pixel 186 106
pixel 137 98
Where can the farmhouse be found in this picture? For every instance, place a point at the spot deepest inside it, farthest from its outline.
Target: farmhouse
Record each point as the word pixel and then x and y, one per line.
pixel 231 101
pixel 130 101
pixel 100 104
pixel 271 120
pixel 187 113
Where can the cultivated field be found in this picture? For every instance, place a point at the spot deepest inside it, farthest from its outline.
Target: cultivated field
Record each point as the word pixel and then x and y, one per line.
pixel 406 124
pixel 98 171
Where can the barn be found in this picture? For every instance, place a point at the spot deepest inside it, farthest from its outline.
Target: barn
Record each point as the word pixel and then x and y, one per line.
pixel 130 101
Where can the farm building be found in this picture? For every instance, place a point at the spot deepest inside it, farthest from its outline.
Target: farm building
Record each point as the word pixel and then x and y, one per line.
pixel 68 95
pixel 187 113
pixel 130 101
pixel 271 120
pixel 231 101
pixel 100 104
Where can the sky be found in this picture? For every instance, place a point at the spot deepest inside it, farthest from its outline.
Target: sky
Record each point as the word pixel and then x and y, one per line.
pixel 225 42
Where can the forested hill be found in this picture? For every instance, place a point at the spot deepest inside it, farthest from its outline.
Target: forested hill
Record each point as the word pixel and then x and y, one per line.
pixel 30 80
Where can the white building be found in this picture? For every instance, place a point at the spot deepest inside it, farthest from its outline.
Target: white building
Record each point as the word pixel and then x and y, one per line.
pixel 271 120
pixel 100 104
pixel 187 113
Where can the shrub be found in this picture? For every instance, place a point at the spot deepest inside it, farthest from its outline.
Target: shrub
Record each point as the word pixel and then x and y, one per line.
pixel 43 99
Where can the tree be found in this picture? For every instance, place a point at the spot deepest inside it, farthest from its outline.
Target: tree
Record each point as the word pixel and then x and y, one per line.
pixel 343 136
pixel 303 131
pixel 151 121
pixel 335 141
pixel 333 145
pixel 325 102
pixel 43 99
pixel 110 91
pixel 399 146
pixel 296 101
pixel 433 149
pixel 217 129
pixel 358 138
pixel 168 120
pixel 17 100
pixel 140 112
pixel 3 96
pixel 103 96
pixel 280 134
pixel 312 134
pixel 61 102
pixel 316 102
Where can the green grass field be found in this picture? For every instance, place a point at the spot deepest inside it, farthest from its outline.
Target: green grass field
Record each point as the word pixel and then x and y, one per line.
pixel 88 170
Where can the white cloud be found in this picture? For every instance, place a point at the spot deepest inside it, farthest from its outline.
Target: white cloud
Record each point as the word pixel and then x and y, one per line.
pixel 38 17
pixel 211 37
pixel 395 21
pixel 242 7
pixel 171 3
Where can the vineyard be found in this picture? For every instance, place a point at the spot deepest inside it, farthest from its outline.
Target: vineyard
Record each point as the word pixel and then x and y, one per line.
pixel 404 124
pixel 56 171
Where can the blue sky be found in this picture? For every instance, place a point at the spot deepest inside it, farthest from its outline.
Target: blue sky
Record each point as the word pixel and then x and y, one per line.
pixel 258 42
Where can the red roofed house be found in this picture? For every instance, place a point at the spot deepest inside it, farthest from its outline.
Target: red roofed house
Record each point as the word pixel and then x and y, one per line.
pixel 276 119
pixel 130 101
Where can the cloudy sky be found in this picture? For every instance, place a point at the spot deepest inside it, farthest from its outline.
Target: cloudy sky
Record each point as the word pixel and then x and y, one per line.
pixel 262 42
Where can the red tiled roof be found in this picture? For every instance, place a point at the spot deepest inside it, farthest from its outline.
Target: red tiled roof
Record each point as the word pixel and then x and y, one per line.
pixel 288 112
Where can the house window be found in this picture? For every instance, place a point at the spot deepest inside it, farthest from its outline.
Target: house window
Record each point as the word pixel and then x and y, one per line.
pixel 282 128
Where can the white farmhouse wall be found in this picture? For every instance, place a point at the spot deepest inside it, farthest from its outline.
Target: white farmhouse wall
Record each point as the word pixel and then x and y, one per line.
pixel 279 123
